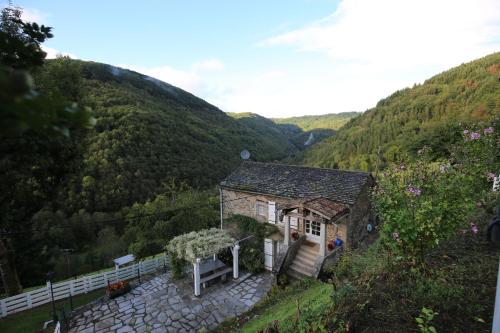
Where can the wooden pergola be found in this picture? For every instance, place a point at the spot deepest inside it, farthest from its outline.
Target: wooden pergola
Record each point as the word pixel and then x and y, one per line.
pixel 195 246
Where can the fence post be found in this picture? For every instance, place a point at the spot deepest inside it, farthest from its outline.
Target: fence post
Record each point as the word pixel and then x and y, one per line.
pixel 3 309
pixel 196 272
pixel 86 284
pixel 28 300
pixel 106 279
pixel 48 289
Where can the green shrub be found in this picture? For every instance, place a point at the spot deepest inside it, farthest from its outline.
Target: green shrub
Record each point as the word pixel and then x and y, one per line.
pixel 177 266
pixel 251 256
pixel 423 203
pixel 424 320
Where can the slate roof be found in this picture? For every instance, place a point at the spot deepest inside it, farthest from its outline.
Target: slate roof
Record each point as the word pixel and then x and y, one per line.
pixel 327 207
pixel 298 182
pixel 330 209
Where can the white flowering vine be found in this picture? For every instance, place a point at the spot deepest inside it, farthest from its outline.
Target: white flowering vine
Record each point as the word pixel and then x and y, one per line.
pixel 199 244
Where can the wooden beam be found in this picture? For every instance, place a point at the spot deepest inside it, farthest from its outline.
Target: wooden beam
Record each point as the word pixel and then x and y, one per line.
pixel 307 217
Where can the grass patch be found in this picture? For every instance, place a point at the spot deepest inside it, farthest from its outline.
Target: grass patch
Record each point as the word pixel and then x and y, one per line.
pixel 32 320
pixel 281 306
pixel 285 311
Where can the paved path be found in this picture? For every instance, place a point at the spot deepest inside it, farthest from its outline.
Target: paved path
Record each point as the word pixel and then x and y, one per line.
pixel 162 305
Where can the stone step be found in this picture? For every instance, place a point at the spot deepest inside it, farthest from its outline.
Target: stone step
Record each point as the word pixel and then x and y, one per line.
pixel 309 249
pixel 295 275
pixel 304 260
pixel 306 255
pixel 302 269
pixel 303 266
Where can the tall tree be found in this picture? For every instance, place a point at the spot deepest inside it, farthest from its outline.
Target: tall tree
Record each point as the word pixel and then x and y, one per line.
pixel 28 121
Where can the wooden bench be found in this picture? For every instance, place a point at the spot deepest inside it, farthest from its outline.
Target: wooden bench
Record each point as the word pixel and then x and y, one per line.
pixel 215 275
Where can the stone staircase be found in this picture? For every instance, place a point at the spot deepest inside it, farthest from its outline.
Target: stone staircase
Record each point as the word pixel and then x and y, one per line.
pixel 303 264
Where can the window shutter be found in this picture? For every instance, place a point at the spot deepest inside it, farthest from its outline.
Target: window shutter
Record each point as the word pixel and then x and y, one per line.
pixel 272 212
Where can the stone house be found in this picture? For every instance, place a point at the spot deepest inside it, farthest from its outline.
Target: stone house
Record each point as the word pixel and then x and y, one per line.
pixel 317 210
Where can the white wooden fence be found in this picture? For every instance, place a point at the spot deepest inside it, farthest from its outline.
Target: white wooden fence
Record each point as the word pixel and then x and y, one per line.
pixel 74 287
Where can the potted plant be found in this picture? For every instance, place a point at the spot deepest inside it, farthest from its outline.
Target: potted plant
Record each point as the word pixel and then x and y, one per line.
pixel 295 235
pixel 116 289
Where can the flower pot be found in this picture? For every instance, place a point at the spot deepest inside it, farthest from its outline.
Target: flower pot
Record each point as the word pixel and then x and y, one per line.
pixel 117 289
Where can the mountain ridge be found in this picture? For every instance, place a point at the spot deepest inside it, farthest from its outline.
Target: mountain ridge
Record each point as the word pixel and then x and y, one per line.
pixel 429 114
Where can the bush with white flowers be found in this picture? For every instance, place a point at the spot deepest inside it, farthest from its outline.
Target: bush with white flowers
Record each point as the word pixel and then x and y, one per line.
pixel 199 244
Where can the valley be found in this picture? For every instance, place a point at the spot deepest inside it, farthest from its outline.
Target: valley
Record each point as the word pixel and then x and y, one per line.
pixel 390 210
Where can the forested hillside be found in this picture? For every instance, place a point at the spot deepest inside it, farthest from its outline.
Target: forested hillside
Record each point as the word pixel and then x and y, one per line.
pixel 266 129
pixel 297 133
pixel 427 114
pixel 147 132
pixel 332 121
pixel 153 150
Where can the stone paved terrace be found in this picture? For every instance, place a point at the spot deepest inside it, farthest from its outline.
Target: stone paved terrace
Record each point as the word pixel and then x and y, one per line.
pixel 163 305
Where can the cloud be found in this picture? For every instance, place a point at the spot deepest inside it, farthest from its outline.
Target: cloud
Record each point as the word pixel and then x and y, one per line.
pixel 187 80
pixel 373 48
pixel 34 15
pixel 54 53
pixel 208 65
pixel 395 33
pixel 192 80
pixel 280 94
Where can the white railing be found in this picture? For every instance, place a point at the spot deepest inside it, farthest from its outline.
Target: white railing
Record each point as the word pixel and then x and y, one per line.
pixel 78 286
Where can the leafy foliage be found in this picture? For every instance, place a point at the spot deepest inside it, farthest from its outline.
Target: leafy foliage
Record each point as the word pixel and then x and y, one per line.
pixel 32 125
pixel 251 256
pixel 22 108
pixel 333 121
pixel 199 244
pixel 423 203
pixel 151 225
pixel 296 133
pixel 146 133
pixel 424 320
pixel 421 206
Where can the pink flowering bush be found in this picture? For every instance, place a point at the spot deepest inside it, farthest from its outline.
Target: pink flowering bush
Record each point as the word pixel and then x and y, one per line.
pixel 424 202
pixel 420 206
pixel 478 156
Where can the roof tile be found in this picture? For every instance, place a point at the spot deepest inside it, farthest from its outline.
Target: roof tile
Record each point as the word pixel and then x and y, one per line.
pixel 294 181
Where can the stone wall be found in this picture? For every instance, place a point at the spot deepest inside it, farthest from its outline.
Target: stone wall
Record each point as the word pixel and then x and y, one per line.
pixel 246 204
pixel 329 262
pixel 337 231
pixel 361 214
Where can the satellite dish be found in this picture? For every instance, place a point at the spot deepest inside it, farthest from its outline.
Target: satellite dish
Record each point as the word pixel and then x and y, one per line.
pixel 245 154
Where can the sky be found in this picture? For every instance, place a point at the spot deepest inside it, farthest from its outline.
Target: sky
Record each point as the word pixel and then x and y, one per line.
pixel 276 58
